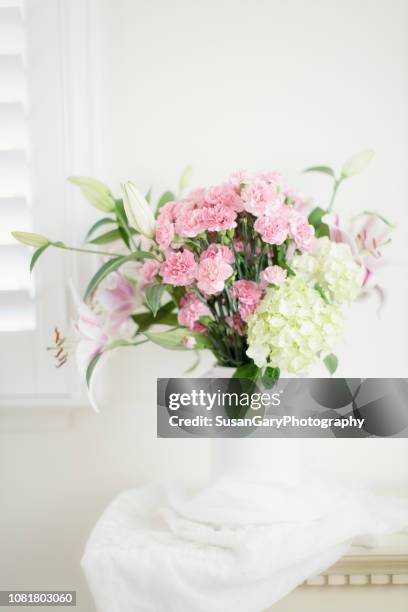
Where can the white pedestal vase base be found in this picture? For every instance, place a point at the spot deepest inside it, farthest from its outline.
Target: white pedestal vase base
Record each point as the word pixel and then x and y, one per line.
pixel 261 460
pixel 253 459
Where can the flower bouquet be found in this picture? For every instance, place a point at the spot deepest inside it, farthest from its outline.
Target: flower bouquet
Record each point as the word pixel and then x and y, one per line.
pixel 246 269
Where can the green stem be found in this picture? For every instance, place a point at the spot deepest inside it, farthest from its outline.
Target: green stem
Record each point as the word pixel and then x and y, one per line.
pixel 61 245
pixel 336 185
pixel 126 229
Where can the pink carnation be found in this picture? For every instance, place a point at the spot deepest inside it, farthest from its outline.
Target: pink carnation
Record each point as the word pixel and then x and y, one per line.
pixel 261 197
pixel 296 199
pixel 189 221
pixel 240 177
pixel 298 227
pixel 164 231
pixel 212 273
pixel 179 269
pixel 225 195
pixel 214 250
pixel 149 270
pixel 274 275
pixel 273 178
pixel 218 217
pixel 303 235
pixel 169 210
pixel 273 228
pixel 248 294
pixel 191 309
pixel 197 196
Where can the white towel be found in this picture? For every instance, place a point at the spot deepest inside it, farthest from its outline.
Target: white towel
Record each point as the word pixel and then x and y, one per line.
pixel 235 547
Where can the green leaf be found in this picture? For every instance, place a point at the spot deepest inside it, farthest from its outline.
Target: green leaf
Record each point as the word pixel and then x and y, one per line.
pixel 315 217
pixel 205 320
pixel 91 368
pixel 153 296
pixel 270 377
pixel 185 178
pixel 168 196
pixel 322 169
pixel 36 255
pixel 331 363
pixel 31 239
pixel 112 236
pixel 164 316
pixel 98 194
pixel 248 370
pixel 106 238
pixel 120 210
pixel 97 225
pixel 172 339
pixel 148 196
pixel 357 163
pixel 322 230
pixel 110 266
pixel 124 236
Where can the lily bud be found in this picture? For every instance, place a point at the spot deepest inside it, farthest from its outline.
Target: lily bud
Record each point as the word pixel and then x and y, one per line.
pixel 357 163
pixel 138 210
pixel 30 239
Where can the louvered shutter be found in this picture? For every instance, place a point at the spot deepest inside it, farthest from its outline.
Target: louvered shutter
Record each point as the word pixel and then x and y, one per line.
pixel 44 120
pixel 17 310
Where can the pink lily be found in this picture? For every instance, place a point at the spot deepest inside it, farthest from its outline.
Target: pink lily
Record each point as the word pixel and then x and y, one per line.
pixel 338 231
pixel 119 303
pixel 93 337
pixel 365 238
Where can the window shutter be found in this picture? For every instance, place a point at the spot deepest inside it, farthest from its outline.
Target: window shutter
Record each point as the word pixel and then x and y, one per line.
pixel 44 137
pixel 17 312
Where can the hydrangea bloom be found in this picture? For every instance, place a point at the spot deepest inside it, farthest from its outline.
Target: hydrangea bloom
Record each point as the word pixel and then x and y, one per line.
pixel 292 327
pixel 331 266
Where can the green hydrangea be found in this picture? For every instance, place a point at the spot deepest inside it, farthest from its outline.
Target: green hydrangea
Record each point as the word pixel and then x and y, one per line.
pixel 292 327
pixel 332 268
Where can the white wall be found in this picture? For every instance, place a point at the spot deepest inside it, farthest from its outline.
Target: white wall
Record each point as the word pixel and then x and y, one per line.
pixel 278 84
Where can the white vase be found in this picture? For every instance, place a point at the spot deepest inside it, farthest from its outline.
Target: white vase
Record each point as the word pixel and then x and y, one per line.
pixel 267 460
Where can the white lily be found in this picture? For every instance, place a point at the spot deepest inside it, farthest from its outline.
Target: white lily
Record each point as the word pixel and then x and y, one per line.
pixel 138 210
